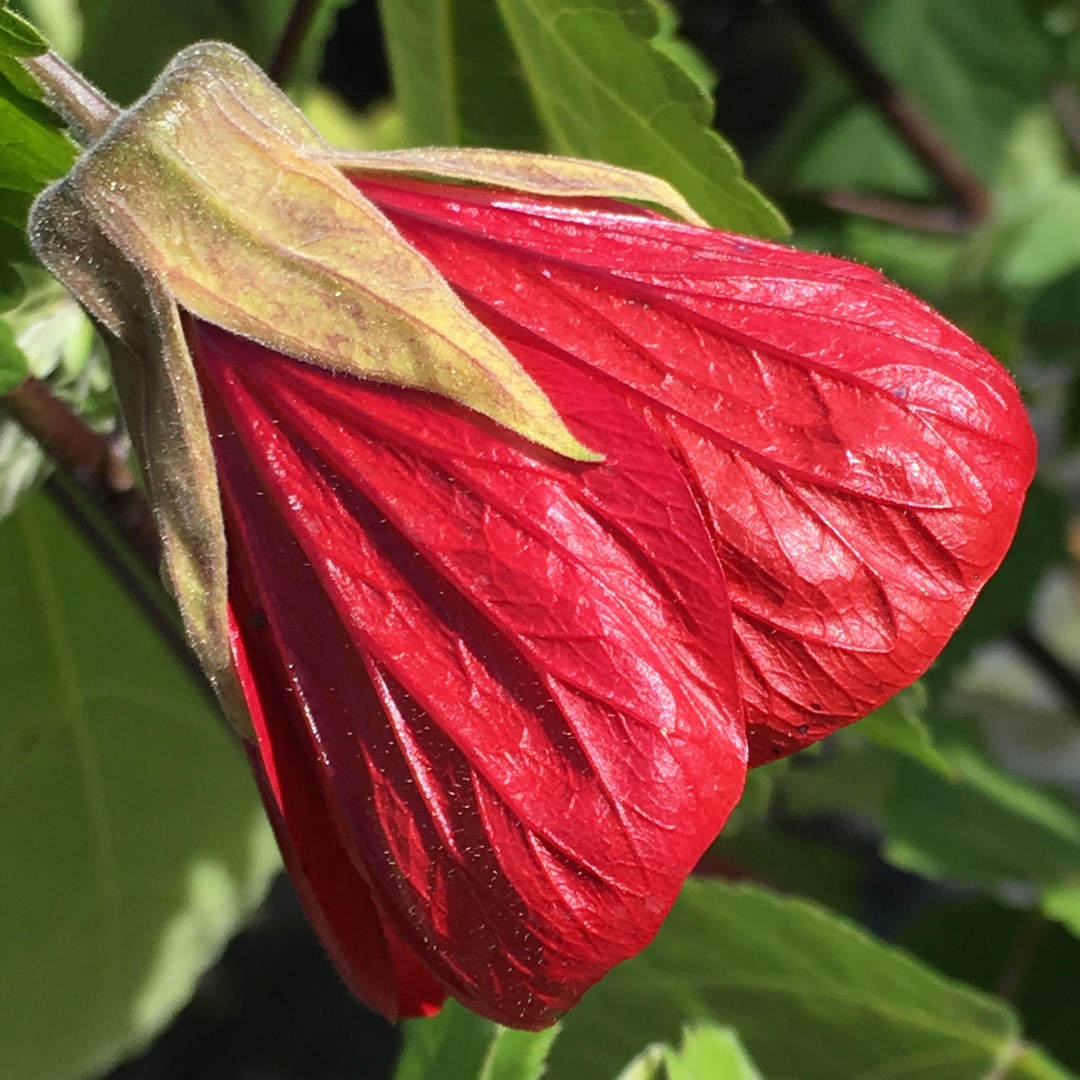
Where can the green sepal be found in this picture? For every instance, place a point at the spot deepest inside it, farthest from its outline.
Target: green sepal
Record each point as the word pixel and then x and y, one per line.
pixel 212 197
pixel 162 406
pixel 217 185
pixel 536 174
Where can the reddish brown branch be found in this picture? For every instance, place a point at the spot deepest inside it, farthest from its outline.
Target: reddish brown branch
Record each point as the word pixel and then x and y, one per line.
pixel 93 461
pixel 962 186
pixel 1021 956
pixel 86 111
pixel 1066 104
pixel 95 490
pixel 291 42
pixel 1054 670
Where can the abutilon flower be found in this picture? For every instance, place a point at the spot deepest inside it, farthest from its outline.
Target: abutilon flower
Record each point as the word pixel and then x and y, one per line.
pixel 513 519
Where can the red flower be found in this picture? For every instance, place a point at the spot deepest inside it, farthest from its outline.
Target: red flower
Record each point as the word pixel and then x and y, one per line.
pixel 494 692
pixel 502 699
pixel 497 695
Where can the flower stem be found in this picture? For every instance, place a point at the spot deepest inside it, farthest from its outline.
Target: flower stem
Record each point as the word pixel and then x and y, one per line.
pixel 91 460
pixel 95 490
pixel 283 63
pixel 84 108
pixel 965 189
pixel 144 590
pixel 1052 668
pixel 94 487
pixel 1021 955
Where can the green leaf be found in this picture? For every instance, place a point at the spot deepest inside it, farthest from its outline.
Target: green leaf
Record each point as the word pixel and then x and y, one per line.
pixel 380 128
pixel 647 1065
pixel 898 725
pixel 14 367
pixel 1062 904
pixel 709 1052
pixel 126 43
pixel 609 85
pixel 854 776
pixel 969 65
pixel 137 833
pixel 456 77
pixel 805 862
pixel 973 939
pixel 985 828
pixel 33 152
pixel 1050 244
pixel 799 985
pixel 18 37
pixel 61 22
pixel 459 1045
pixel 518 1055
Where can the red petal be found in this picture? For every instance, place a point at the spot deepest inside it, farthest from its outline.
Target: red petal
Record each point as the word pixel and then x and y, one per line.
pixel 861 462
pixel 516 676
pixel 377 967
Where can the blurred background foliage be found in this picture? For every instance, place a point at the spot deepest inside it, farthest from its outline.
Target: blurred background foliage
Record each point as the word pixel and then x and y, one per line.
pixel 902 901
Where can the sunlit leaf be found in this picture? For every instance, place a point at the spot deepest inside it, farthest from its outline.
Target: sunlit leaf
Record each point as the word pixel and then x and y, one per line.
pixel 456 76
pixel 459 1045
pixel 970 66
pixel 609 86
pixel 798 984
pixel 136 831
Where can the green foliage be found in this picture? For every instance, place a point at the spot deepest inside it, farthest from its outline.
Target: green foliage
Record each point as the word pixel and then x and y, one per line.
pixel 18 37
pixel 125 73
pixel 793 981
pixel 798 985
pixel 33 150
pixel 899 725
pixel 970 66
pixel 609 84
pixel 957 817
pixel 13 363
pixel 1007 950
pixel 708 1052
pixel 60 22
pixel 456 75
pixel 606 80
pixel 137 834
pixel 459 1045
pixel 985 828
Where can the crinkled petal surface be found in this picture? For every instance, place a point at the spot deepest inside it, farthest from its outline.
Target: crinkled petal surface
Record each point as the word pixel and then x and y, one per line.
pixel 493 689
pixel 860 462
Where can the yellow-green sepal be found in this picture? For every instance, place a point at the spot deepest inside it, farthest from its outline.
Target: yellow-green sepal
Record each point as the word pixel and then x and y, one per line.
pixel 535 174
pixel 215 184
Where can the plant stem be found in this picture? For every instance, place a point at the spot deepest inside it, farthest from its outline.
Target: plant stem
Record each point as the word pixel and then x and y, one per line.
pixel 94 486
pixel 1021 955
pixel 130 572
pixel 96 491
pixel 1066 104
pixel 903 115
pixel 1055 671
pixel 92 461
pixel 86 111
pixel 283 63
